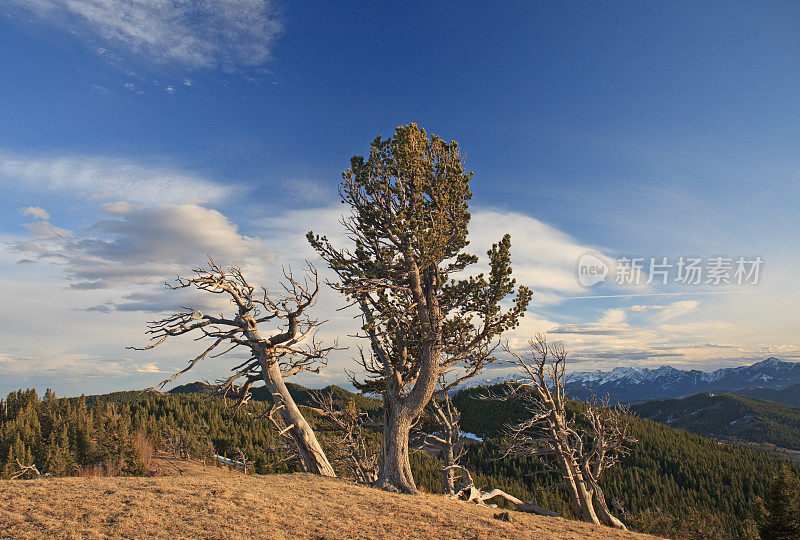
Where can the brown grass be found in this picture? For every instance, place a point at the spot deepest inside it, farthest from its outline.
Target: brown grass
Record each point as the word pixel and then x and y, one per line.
pixel 208 502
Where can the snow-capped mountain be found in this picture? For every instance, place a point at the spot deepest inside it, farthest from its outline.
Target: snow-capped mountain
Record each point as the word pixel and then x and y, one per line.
pixel 634 384
pixel 639 384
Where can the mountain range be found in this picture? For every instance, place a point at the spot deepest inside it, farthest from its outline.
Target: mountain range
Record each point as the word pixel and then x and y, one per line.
pixel 635 384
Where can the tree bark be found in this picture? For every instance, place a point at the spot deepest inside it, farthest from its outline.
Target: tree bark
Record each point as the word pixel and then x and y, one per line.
pixel 401 410
pixel 449 473
pixel 602 507
pixel 585 499
pixel 580 497
pixel 395 468
pixel 473 494
pixel 312 456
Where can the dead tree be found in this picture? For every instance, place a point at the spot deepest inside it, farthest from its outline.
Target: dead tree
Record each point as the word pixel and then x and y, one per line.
pixel 26 469
pixel 290 349
pixel 444 440
pixel 352 445
pixel 469 493
pixel 242 458
pixel 579 451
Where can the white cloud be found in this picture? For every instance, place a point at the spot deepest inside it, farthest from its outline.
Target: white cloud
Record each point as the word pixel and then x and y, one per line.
pixel 543 257
pixel 614 316
pixel 143 245
pixel 675 309
pixel 150 367
pixel 159 300
pixel 116 267
pixel 95 178
pixel 132 87
pixel 36 212
pixel 206 34
pixel 44 230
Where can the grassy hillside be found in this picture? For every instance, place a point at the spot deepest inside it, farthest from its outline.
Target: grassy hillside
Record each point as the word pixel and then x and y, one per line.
pixel 215 503
pixel 669 473
pixel 728 416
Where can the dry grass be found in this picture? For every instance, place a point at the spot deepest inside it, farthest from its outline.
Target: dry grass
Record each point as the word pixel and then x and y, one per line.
pixel 206 502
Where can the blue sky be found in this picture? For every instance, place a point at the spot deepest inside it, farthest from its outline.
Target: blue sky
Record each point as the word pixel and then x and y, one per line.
pixel 137 136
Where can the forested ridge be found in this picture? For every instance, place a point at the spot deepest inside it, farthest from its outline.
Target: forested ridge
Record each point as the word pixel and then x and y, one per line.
pixel 728 416
pixel 111 433
pixel 788 396
pixel 671 479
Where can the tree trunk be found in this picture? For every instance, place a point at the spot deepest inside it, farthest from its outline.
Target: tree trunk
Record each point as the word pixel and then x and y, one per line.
pixel 395 468
pixel 530 507
pixel 602 507
pixel 580 497
pixel 449 473
pixel 312 456
pixel 585 496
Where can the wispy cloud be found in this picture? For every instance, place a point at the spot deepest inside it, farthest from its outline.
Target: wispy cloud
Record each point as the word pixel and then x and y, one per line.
pixel 69 364
pixel 544 257
pixel 116 266
pixel 44 230
pixel 101 178
pixel 162 301
pixel 149 368
pixel 206 34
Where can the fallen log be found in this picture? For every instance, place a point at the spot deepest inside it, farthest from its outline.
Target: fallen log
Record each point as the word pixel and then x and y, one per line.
pixel 470 493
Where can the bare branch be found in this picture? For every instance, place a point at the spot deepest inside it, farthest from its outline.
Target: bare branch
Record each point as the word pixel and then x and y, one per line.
pixel 290 348
pixel 580 455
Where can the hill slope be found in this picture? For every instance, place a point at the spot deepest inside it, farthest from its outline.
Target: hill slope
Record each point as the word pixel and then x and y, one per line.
pixel 728 416
pixel 301 395
pixel 669 470
pixel 219 504
pixel 788 396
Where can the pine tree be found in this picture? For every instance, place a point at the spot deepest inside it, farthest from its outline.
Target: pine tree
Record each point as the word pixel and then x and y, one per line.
pixel 408 225
pixel 781 520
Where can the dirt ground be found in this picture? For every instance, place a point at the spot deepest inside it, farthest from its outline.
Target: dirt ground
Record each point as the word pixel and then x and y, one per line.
pixel 209 502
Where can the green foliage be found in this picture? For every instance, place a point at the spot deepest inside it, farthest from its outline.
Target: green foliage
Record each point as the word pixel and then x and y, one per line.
pixel 788 396
pixel 692 525
pixel 728 416
pixel 668 473
pixel 780 516
pixel 409 220
pixel 300 394
pixel 64 436
pixel 106 434
pixel 674 483
pixel 303 396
